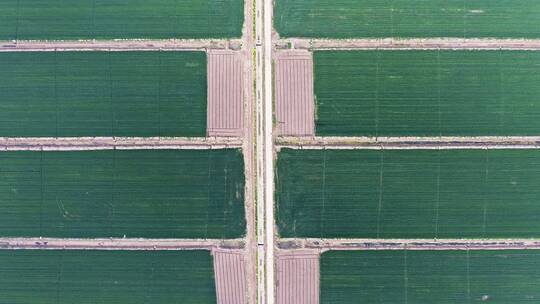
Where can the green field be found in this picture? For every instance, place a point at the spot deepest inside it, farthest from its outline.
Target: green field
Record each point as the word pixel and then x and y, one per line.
pixel 427 93
pixel 119 19
pixel 419 277
pixel 57 94
pixel 408 193
pixel 111 277
pixel 112 193
pixel 407 18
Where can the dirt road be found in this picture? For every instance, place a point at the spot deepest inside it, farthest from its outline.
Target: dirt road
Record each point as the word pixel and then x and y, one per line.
pixel 322 245
pixel 268 153
pixel 427 43
pixel 248 143
pixel 112 45
pixel 118 244
pixel 120 143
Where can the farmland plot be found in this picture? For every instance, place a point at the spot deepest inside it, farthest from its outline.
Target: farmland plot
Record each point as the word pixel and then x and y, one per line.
pixel 119 19
pixel 407 18
pixel 116 193
pixel 408 193
pixel 113 277
pixel 427 93
pixel 72 94
pixel 502 276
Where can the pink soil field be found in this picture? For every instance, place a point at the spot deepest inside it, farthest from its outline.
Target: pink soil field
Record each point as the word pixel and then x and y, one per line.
pixel 230 273
pixel 225 89
pixel 295 103
pixel 298 277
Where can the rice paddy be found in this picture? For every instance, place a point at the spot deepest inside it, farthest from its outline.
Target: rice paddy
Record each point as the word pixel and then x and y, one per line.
pixel 427 93
pixel 122 193
pixel 501 276
pixel 407 18
pixel 113 277
pixel 408 193
pixel 73 94
pixel 119 19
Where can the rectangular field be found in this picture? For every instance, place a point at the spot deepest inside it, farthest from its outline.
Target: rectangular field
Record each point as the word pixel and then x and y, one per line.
pixel 115 277
pixel 298 277
pixel 415 277
pixel 65 94
pixel 116 193
pixel 119 19
pixel 427 93
pixel 408 193
pixel 407 18
pixel 230 276
pixel 294 104
pixel 225 94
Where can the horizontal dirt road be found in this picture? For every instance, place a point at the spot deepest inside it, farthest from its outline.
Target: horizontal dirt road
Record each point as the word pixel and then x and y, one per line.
pixel 119 244
pixel 120 45
pixel 95 143
pixel 427 43
pixel 409 244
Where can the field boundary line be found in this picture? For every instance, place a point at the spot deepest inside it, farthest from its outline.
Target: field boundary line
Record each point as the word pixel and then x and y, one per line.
pixel 248 128
pixel 413 43
pixel 266 154
pixel 120 45
pixel 409 244
pixel 413 139
pixel 442 142
pixel 408 146
pixel 119 244
pixel 120 143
